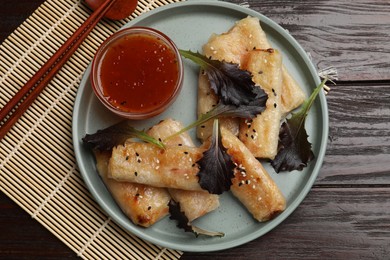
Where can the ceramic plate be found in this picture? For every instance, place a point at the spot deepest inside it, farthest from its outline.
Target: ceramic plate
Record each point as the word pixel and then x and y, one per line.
pixel 189 25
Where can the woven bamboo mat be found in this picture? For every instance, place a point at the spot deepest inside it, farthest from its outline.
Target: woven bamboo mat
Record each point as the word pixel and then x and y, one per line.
pixel 38 168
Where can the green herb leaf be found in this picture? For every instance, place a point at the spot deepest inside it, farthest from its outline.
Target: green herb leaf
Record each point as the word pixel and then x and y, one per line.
pixel 184 223
pixel 294 151
pixel 108 138
pixel 216 168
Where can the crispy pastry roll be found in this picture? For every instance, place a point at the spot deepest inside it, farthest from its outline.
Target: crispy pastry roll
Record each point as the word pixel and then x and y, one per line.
pixel 252 185
pixel 144 163
pixel 144 205
pixel 193 203
pixel 261 134
pixel 234 45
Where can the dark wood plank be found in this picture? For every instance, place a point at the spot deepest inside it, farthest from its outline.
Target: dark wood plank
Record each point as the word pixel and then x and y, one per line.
pixel 13 13
pixel 358 150
pixel 329 224
pixel 22 237
pixel 352 36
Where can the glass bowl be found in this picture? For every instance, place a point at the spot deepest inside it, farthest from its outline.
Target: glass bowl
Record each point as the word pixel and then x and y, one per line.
pixel 137 72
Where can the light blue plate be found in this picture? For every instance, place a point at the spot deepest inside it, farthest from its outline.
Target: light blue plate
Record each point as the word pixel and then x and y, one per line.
pixel 189 25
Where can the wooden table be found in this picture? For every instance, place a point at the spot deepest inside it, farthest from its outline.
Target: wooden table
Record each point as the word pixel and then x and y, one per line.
pixel 346 215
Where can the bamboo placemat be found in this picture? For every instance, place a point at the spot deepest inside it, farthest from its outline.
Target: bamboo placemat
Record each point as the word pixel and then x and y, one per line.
pixel 38 169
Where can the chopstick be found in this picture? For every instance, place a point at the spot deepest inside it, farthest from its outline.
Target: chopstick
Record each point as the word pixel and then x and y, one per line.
pixel 20 102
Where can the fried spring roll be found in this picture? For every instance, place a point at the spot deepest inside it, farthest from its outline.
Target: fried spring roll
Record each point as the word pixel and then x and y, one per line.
pixel 234 45
pixel 194 204
pixel 252 185
pixel 261 134
pixel 144 163
pixel 144 205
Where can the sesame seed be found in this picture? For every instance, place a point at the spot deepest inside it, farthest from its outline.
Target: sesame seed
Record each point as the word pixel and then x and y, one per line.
pixel 137 154
pixel 253 186
pixel 139 160
pixel 127 158
pixel 180 144
pixel 149 208
pixel 202 126
pixel 136 173
pixel 275 105
pixel 185 152
pixel 157 167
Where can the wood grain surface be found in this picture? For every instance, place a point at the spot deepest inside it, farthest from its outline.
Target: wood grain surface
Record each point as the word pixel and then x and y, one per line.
pixel 347 213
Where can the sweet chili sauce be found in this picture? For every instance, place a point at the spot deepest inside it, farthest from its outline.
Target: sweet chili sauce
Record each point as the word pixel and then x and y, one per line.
pixel 138 73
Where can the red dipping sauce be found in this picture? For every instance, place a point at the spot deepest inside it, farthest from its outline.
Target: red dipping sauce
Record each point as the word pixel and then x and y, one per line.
pixel 137 73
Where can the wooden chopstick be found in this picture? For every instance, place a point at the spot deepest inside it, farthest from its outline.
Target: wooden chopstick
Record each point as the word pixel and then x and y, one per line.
pixel 20 102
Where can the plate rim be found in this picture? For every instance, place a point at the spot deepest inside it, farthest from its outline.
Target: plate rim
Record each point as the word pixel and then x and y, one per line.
pixel 294 204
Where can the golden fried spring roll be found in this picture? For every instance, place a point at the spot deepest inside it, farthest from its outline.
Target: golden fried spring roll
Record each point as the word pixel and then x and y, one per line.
pixel 144 205
pixel 261 134
pixel 194 204
pixel 145 163
pixel 234 45
pixel 252 185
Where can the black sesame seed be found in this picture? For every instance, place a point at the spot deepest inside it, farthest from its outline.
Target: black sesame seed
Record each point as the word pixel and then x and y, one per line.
pixel 127 158
pixel 136 173
pixel 275 105
pixel 185 152
pixel 180 144
pixel 149 208
pixel 137 154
